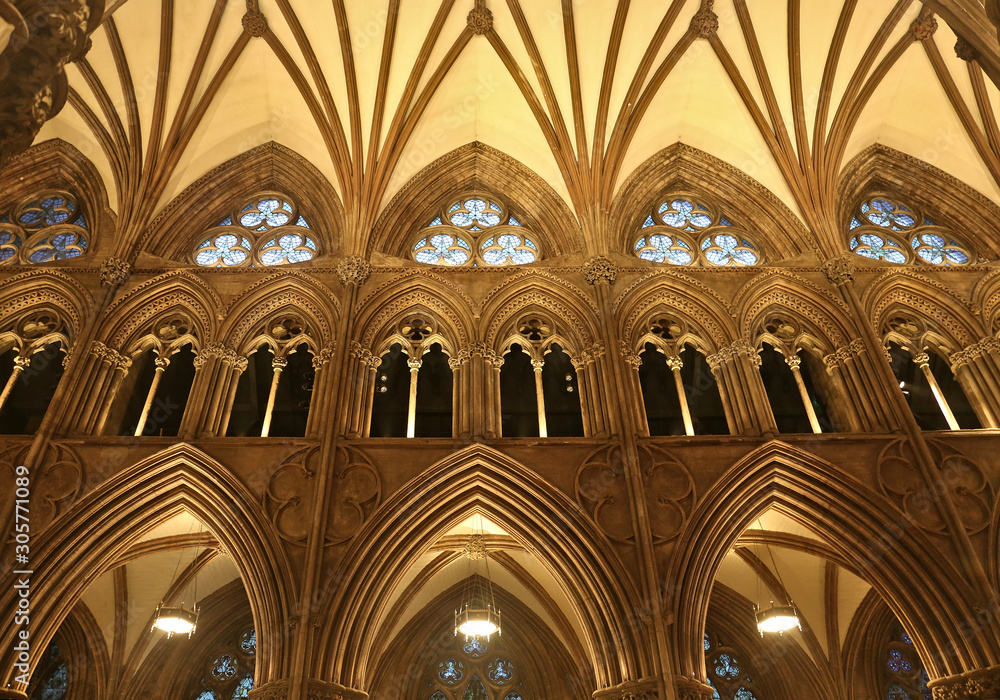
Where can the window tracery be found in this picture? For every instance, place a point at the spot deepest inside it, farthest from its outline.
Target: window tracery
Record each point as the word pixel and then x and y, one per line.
pixel 903 674
pixel 475 671
pixel 229 671
pixel 888 230
pixel 51 679
pixel 727 675
pixel 46 227
pixel 684 230
pixel 265 231
pixel 476 230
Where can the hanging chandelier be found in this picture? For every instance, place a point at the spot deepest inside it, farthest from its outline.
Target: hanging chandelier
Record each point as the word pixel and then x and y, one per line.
pixel 175 620
pixel 478 615
pixel 777 618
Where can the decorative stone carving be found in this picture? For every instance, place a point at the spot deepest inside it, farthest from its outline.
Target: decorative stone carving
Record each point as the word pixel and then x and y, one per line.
pixel 690 689
pixel 115 272
pixel 924 26
pixel 354 270
pixel 600 268
pixel 643 689
pixel 839 270
pixel 962 479
pixel 254 23
pixel 46 36
pixel 966 51
pixel 480 19
pixel 322 357
pixel 705 23
pixel 602 492
pixel 983 684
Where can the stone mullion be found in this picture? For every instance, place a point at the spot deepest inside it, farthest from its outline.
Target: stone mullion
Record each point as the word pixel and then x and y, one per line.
pixel 595 390
pixel 361 367
pixel 579 366
pixel 197 410
pixel 236 371
pixel 326 368
pixel 977 368
pixel 601 272
pixel 736 368
pixel 460 408
pixel 840 272
pixel 477 385
pixel 635 389
pixel 494 418
pixel 845 367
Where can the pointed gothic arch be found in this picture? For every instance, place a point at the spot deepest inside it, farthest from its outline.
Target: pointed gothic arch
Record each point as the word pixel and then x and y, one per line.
pixel 544 520
pixel 886 548
pixel 102 525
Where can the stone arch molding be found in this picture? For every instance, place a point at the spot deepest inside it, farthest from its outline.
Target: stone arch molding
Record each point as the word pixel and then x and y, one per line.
pixel 545 521
pixel 861 527
pixel 89 538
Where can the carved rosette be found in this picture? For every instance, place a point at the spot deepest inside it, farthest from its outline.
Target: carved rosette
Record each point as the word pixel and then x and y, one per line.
pixel 966 51
pixel 924 26
pixel 480 19
pixel 115 272
pixel 705 23
pixel 600 268
pixel 254 23
pixel 354 270
pixel 839 270
pixel 961 478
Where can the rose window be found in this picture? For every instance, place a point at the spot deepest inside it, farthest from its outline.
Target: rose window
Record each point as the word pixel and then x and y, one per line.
pixel 881 227
pixel 44 228
pixel 475 231
pixel 669 232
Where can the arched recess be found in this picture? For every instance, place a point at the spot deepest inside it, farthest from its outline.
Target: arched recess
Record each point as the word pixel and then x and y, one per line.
pixel 683 168
pixel 268 167
pixel 858 526
pixel 545 666
pixel 986 301
pixel 93 535
pixel 36 288
pixel 881 169
pixel 543 520
pixel 472 168
pixel 56 164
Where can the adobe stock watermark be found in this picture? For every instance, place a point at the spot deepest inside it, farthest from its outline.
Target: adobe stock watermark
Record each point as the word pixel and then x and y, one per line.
pixel 22 574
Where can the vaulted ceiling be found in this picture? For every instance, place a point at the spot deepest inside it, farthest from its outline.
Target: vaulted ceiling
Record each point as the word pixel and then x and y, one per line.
pixel 372 91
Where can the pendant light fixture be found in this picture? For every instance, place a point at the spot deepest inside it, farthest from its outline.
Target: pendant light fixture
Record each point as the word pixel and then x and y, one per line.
pixel 478 616
pixel 776 618
pixel 177 619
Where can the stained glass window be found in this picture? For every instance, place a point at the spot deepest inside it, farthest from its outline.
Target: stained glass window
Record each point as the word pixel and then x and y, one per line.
pixel 229 676
pixel 45 228
pixel 266 231
pixel 243 688
pixel 476 690
pixel 744 694
pixel 451 671
pixel 475 647
pixel 54 676
pixel 207 694
pixel 248 642
pixel 668 235
pixel 224 668
pixel 880 224
pixel 501 671
pixel 726 667
pixel 476 230
pixel 904 677
pixel 729 678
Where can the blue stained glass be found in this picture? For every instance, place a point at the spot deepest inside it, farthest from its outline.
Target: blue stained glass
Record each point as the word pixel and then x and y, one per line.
pixel 855 222
pixel 744 694
pixel 897 664
pixel 500 671
pixel 55 685
pixel 475 647
pixel 436 222
pixel 662 248
pixel 438 696
pixel 888 215
pixel 451 671
pixel 47 212
pixel 907 639
pixel 507 247
pixel 289 248
pixel 724 221
pixel 269 211
pixel 244 688
pixel 476 690
pixel 683 214
pixel 708 644
pixel 442 249
pixel 302 222
pixel 715 691
pixel 208 694
pixel 928 222
pixel 512 221
pixel 726 667
pixel 228 221
pixel 925 692
pixel 513 695
pixel 649 222
pixel 248 642
pixel 897 693
pixel 81 222
pixel 224 668
pixel 477 211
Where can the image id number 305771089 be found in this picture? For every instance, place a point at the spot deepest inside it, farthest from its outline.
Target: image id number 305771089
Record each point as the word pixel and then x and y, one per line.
pixel 22 574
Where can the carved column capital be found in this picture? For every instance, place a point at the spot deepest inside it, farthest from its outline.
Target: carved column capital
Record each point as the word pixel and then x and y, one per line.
pixel 279 362
pixel 600 268
pixel 354 270
pixel 321 358
pixel 538 365
pixel 414 363
pixel 115 272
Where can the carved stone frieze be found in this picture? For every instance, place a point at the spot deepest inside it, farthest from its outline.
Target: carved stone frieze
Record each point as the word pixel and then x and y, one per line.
pixel 973 352
pixel 983 684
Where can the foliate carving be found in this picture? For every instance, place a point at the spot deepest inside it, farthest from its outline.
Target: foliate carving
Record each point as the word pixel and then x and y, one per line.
pixel 115 272
pixel 354 270
pixel 924 26
pixel 705 23
pixel 690 689
pixel 977 685
pixel 961 478
pixel 321 358
pixel 112 357
pixel 278 690
pixel 842 355
pixel 254 23
pixel 480 19
pixel 973 353
pixel 839 270
pixel 324 690
pixel 643 689
pixel 34 86
pixel 600 268
pixel 966 51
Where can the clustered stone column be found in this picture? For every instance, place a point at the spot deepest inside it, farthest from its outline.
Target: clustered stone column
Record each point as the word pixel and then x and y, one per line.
pixel 592 400
pixel 977 368
pixel 638 408
pixel 102 372
pixel 360 391
pixel 217 375
pixel 850 367
pixel 744 399
pixel 470 379
pixel 319 411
